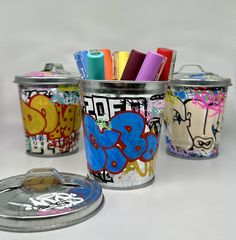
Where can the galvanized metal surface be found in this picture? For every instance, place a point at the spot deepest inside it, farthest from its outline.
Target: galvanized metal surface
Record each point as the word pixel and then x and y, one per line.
pixel 52 74
pixel 105 101
pixel 121 86
pixel 44 199
pixel 198 79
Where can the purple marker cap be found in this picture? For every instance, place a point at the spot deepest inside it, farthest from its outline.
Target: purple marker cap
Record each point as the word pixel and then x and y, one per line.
pixel 150 67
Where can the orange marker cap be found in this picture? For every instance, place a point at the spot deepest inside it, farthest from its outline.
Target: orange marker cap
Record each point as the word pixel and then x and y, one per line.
pixel 107 63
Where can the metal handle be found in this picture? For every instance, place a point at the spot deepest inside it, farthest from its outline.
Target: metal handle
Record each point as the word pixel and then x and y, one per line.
pixel 42 172
pixel 48 172
pixel 191 65
pixel 53 67
pixel 51 176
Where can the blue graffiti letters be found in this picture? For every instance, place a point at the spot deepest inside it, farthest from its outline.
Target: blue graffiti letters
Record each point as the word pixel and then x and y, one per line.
pixel 104 139
pixel 131 126
pixel 95 155
pixel 126 141
pixel 116 161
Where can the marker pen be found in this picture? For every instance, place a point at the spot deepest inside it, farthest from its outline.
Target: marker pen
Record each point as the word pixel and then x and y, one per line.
pixel 168 69
pixel 82 63
pixel 107 63
pixel 95 65
pixel 133 65
pixel 120 59
pixel 150 67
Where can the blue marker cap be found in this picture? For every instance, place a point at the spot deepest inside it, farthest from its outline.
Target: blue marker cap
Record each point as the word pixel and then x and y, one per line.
pixel 82 63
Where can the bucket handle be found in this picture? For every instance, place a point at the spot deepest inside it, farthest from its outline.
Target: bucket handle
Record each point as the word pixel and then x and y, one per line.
pixel 191 65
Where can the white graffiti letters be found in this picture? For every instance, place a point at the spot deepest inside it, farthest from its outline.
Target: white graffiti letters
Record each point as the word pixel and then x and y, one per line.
pixel 51 201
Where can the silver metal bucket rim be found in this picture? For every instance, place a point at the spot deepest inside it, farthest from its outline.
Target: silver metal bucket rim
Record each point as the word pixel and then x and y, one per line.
pixel 32 81
pixel 198 83
pixel 123 85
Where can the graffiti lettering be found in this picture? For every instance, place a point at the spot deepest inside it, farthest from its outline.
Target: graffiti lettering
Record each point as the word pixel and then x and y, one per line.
pixel 30 93
pixel 211 101
pixel 49 124
pixel 51 201
pixel 121 136
pixel 135 166
pixel 108 107
pixel 42 116
pixel 71 98
pixel 64 144
pixel 104 176
pixel 127 141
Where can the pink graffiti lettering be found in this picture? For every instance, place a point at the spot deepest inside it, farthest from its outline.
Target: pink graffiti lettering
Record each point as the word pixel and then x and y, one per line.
pixel 210 101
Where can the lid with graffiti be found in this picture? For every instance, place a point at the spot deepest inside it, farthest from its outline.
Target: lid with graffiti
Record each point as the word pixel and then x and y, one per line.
pixel 44 199
pixel 198 79
pixel 53 73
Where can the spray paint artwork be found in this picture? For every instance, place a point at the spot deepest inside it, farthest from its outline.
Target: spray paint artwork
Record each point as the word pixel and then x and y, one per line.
pixel 193 120
pixel 52 119
pixel 50 203
pixel 122 137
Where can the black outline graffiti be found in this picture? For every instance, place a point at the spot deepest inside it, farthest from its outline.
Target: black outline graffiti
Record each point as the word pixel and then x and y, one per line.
pixel 29 93
pixel 104 176
pixel 155 124
pixel 134 102
pixel 197 141
pixel 158 96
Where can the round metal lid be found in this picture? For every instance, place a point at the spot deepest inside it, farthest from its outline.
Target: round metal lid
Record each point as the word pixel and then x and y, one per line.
pixel 198 79
pixel 53 73
pixel 44 199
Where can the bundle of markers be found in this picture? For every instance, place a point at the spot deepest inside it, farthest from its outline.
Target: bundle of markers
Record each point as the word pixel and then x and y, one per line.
pixel 122 65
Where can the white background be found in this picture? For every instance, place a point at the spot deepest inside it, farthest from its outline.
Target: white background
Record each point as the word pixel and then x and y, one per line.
pixel 190 199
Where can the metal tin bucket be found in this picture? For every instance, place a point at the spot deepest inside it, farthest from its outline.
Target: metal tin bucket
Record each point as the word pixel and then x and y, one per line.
pixel 50 105
pixel 122 125
pixel 193 115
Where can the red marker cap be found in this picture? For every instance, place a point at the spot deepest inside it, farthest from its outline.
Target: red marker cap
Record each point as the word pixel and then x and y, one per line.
pixel 167 71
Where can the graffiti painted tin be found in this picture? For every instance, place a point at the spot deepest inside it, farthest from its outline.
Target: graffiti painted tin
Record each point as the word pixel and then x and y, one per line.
pixel 45 199
pixel 193 115
pixel 122 124
pixel 50 104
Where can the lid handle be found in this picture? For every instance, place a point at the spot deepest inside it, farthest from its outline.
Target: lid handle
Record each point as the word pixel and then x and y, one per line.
pixel 40 179
pixel 191 65
pixel 53 67
pixel 42 172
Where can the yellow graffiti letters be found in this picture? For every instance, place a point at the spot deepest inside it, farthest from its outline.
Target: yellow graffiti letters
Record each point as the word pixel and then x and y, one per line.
pixel 48 110
pixel 34 121
pixel 170 98
pixel 66 122
pixel 41 116
pixel 135 166
pixel 77 118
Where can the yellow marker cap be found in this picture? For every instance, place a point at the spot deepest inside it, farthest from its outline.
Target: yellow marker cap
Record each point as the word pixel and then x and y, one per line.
pixel 122 60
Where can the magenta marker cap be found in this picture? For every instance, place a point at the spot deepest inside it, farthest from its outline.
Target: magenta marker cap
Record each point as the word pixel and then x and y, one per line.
pixel 150 67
